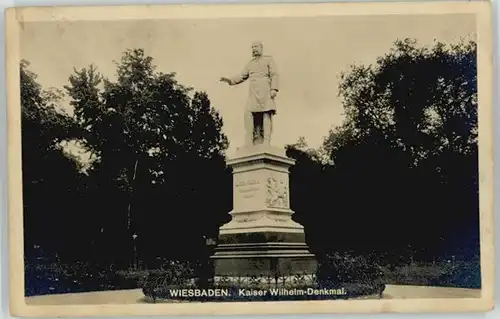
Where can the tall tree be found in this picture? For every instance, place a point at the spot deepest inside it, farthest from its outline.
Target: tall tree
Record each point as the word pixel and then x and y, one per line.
pixel 159 147
pixel 403 178
pixel 51 177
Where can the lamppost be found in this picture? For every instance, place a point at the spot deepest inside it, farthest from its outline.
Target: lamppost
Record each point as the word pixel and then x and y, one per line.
pixel 134 237
pixel 208 274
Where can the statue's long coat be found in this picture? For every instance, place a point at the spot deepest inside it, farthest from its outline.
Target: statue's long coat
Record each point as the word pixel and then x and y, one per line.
pixel 263 77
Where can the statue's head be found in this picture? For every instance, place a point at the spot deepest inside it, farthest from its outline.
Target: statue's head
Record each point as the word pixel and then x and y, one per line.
pixel 257 48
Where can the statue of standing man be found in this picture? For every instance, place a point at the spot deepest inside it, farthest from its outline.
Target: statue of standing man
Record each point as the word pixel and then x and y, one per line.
pixel 260 107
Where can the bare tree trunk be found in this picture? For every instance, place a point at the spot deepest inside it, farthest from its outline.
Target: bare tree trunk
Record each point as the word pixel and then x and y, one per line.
pixel 130 200
pixel 129 215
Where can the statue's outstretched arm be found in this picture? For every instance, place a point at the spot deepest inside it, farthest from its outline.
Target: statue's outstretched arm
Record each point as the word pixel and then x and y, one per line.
pixel 242 77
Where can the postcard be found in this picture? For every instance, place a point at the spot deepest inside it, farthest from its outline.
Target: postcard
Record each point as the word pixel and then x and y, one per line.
pixel 250 159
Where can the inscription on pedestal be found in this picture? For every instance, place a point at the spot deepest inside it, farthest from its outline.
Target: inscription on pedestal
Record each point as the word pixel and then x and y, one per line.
pixel 248 192
pixel 248 188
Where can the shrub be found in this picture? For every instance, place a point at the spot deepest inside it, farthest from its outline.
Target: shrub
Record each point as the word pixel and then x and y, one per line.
pixel 171 274
pixel 446 273
pixel 357 274
pixel 463 274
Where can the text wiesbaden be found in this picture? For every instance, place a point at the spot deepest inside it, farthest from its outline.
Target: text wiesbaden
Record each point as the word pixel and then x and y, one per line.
pixel 186 293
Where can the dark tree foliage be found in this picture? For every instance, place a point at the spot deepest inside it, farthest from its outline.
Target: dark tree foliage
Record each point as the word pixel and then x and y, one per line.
pixel 156 171
pixel 51 178
pixel 403 176
pixel 159 170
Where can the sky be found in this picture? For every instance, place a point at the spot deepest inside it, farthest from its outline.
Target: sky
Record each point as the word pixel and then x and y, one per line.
pixel 310 53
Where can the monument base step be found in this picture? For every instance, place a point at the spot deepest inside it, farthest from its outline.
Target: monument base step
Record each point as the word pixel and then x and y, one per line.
pixel 237 256
pixel 269 236
pixel 264 266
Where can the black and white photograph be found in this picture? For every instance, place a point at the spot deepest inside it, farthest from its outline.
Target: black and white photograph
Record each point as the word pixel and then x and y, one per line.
pixel 250 159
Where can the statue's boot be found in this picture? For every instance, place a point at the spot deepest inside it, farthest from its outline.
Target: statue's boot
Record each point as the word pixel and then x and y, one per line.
pixel 267 128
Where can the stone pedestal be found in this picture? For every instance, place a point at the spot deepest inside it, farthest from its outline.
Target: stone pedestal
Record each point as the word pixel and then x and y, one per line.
pixel 262 239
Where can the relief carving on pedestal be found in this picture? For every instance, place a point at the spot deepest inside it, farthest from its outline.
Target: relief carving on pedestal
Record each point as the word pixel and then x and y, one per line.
pixel 277 193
